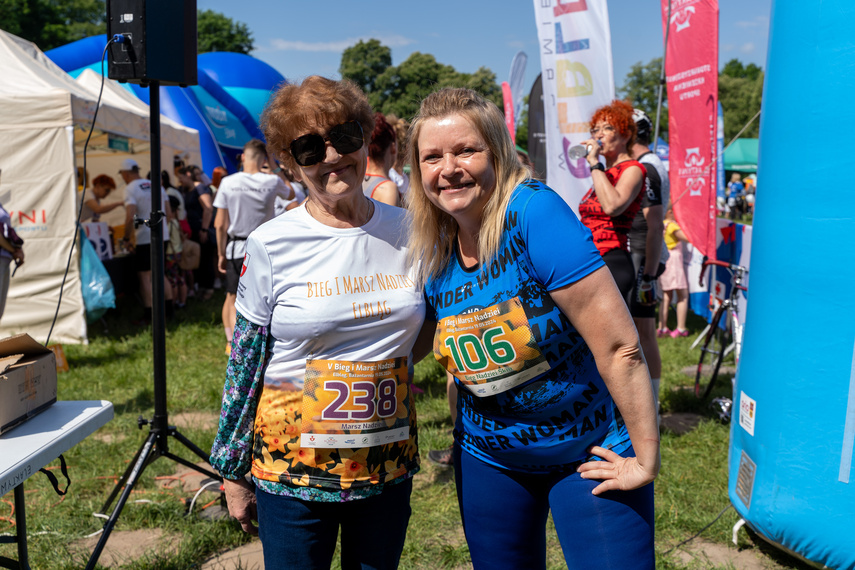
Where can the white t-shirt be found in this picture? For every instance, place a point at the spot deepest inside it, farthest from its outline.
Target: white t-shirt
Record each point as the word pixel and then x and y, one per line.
pixel 249 199
pixel 88 215
pixel 330 293
pixel 282 204
pixel 181 214
pixel 138 193
pixel 402 181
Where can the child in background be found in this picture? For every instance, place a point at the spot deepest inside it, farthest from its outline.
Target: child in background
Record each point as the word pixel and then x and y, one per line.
pixel 174 247
pixel 673 280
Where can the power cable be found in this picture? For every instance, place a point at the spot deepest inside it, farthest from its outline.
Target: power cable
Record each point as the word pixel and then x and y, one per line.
pixel 697 534
pixel 118 38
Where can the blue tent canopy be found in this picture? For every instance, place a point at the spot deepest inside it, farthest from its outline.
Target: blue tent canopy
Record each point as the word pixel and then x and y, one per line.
pixel 224 107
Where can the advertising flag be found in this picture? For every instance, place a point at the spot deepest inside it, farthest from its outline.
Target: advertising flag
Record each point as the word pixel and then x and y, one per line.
pixel 515 80
pixel 537 129
pixel 691 74
pixel 508 101
pixel 576 65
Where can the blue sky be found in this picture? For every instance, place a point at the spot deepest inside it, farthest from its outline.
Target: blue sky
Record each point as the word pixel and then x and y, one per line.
pixel 308 37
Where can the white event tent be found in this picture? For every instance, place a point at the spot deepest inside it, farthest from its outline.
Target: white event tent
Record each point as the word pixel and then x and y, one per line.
pixel 45 116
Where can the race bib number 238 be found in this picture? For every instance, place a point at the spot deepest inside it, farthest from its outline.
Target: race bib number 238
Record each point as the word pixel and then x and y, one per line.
pixel 355 404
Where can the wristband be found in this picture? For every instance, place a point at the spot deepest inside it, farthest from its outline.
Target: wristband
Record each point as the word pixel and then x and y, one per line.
pixel 597 166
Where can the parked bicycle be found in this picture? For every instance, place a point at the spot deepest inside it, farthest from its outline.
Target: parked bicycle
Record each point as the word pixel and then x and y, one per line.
pixel 722 340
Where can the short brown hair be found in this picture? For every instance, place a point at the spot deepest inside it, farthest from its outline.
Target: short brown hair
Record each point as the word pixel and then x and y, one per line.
pixel 256 147
pixel 314 104
pixel 104 180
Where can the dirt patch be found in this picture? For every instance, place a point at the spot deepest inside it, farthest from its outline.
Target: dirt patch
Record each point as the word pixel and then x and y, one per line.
pixel 712 555
pixel 190 481
pixel 109 438
pixel 680 423
pixel 246 557
pixel 195 420
pixel 125 546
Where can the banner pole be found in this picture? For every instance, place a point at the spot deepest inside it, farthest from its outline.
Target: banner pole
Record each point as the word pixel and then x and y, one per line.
pixel 662 81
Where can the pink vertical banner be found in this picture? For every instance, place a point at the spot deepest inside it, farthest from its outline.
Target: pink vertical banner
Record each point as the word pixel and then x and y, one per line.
pixel 508 100
pixel 691 71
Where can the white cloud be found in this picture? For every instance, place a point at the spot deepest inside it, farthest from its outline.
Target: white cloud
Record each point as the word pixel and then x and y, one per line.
pixel 747 47
pixel 727 47
pixel 336 46
pixel 758 22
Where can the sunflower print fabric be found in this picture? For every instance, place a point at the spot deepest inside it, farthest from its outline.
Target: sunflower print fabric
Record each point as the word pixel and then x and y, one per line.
pixel 260 431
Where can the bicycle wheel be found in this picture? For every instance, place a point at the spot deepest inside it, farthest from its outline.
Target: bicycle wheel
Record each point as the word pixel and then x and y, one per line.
pixel 712 353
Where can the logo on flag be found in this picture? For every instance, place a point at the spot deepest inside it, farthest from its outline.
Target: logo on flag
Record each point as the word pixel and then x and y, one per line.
pixel 683 18
pixel 693 157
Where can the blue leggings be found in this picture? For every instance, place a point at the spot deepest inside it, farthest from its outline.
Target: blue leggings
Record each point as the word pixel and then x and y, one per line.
pixel 504 517
pixel 302 534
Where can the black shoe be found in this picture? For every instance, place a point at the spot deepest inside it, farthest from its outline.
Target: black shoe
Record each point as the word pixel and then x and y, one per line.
pixel 442 457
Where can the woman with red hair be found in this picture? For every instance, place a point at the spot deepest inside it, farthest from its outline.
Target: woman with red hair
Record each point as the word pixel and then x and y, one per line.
pixel 615 197
pixel 382 153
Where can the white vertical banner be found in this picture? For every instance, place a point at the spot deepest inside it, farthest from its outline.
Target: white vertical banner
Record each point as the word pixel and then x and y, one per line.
pixel 576 62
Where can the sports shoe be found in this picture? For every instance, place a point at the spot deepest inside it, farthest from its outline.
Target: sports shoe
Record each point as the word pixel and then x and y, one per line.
pixel 677 333
pixel 442 457
pixel 663 332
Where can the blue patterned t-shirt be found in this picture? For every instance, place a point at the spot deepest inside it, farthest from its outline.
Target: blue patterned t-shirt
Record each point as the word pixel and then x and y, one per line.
pixel 530 396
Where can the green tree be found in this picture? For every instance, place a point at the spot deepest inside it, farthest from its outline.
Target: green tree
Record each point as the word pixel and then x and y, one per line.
pixel 400 89
pixel 522 125
pixel 740 99
pixel 734 68
pixel 218 32
pixel 364 62
pixel 641 88
pixel 53 23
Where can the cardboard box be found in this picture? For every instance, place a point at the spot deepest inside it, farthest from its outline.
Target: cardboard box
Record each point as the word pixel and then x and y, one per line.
pixel 27 380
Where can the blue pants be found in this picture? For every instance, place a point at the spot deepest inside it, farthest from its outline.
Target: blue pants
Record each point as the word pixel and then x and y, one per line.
pixel 302 534
pixel 504 517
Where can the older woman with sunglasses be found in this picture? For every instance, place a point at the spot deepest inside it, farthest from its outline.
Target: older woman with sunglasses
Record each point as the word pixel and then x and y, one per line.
pixel 317 405
pixel 615 196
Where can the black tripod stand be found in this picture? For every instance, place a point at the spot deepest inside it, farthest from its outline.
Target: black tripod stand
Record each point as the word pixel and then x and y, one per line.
pixel 157 443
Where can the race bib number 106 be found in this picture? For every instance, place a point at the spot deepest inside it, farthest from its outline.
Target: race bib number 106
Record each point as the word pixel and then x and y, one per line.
pixel 355 404
pixel 491 350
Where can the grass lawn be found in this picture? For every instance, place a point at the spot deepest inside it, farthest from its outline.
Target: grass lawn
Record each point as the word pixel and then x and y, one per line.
pixel 117 366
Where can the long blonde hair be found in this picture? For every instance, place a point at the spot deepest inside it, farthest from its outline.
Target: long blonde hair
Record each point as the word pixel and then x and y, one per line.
pixel 433 231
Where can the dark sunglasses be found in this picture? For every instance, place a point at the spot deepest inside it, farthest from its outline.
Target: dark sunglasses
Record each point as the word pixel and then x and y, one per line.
pixel 312 148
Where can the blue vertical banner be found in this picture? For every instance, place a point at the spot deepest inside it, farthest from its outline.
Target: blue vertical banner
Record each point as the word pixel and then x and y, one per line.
pixel 719 152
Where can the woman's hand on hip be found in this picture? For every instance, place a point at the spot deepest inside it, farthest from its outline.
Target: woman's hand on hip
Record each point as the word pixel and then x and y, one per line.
pixel 240 497
pixel 617 473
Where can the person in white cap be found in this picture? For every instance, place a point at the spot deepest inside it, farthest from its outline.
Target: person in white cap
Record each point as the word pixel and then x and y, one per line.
pixel 138 204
